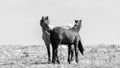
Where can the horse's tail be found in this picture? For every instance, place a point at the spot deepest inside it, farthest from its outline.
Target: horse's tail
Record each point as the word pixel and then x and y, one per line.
pixel 80 47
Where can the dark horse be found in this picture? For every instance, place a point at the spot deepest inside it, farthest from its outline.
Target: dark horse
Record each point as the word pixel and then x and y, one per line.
pixel 60 35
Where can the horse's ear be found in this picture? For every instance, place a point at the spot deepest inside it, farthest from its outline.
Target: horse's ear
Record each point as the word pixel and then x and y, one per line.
pixel 80 20
pixel 42 17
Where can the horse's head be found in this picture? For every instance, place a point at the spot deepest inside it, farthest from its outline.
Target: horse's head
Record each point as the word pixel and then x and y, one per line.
pixel 44 23
pixel 77 24
pixel 45 20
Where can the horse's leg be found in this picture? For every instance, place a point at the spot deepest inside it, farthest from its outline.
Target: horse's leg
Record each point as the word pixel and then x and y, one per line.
pixel 53 55
pixel 76 51
pixel 72 53
pixel 69 50
pixel 56 51
pixel 48 51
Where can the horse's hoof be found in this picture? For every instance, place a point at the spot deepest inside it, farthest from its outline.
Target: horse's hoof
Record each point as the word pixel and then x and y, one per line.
pixel 58 62
pixel 69 61
pixel 53 62
pixel 76 61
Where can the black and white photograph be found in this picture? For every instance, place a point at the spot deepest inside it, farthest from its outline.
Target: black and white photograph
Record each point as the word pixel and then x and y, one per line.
pixel 59 33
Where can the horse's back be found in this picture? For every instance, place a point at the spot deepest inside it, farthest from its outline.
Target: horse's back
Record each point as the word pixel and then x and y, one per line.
pixel 58 33
pixel 66 36
pixel 59 30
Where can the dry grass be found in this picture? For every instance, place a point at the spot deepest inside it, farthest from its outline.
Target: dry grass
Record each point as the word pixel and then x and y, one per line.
pixel 35 56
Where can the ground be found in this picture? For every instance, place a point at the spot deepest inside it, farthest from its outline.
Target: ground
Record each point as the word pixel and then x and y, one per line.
pixel 35 56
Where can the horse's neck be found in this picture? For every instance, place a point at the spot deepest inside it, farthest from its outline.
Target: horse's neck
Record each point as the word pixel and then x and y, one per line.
pixel 77 28
pixel 45 32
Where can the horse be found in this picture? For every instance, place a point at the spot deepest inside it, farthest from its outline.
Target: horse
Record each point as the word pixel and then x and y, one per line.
pixel 46 34
pixel 60 35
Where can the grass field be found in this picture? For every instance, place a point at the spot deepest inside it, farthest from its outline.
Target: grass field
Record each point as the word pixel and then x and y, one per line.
pixel 35 56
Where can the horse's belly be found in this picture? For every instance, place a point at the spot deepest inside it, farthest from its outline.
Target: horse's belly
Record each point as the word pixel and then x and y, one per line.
pixel 66 42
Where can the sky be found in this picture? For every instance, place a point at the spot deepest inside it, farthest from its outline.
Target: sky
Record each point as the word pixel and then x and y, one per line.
pixel 20 20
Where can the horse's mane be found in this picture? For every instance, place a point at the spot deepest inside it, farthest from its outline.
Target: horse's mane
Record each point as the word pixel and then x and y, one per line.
pixel 67 26
pixel 51 26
